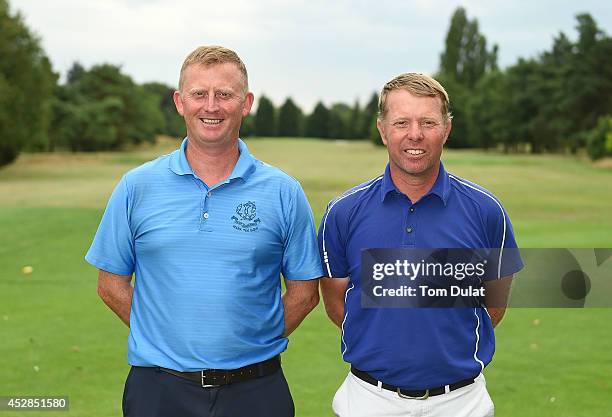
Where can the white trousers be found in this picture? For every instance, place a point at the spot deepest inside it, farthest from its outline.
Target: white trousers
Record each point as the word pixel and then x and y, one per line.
pixel 357 398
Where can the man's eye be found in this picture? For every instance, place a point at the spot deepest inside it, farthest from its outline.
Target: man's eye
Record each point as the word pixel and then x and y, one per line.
pixel 400 123
pixel 223 94
pixel 428 123
pixel 199 93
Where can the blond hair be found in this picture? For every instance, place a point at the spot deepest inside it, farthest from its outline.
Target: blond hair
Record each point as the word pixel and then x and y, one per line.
pixel 214 55
pixel 419 85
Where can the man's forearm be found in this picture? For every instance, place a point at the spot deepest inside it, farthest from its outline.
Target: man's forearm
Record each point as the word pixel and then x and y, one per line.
pixel 334 291
pixel 116 291
pixel 120 301
pixel 299 300
pixel 335 312
pixel 496 298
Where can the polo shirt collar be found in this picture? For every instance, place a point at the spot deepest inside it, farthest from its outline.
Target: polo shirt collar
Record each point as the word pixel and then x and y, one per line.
pixel 178 161
pixel 441 187
pixel 246 162
pixel 244 166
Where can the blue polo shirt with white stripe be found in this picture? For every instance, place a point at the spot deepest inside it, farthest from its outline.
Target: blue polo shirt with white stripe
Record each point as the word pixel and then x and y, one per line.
pixel 413 348
pixel 207 261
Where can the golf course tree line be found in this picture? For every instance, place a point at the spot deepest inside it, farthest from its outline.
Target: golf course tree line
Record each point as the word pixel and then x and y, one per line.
pixel 339 121
pixel 558 101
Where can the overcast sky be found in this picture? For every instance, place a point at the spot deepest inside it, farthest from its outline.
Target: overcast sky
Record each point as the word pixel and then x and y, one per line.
pixel 334 50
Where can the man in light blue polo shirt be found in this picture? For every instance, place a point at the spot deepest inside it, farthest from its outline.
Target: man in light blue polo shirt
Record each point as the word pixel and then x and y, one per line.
pixel 207 232
pixel 413 361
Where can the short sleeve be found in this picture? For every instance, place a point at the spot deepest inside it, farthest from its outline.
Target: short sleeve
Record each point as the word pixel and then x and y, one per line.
pixel 332 248
pixel 501 235
pixel 112 249
pixel 300 255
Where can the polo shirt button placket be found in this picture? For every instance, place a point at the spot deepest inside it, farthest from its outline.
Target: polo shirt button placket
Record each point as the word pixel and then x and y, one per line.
pixel 410 239
pixel 409 229
pixel 205 216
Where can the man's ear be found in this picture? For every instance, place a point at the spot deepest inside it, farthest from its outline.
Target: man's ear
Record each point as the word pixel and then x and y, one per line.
pixel 449 127
pixel 177 102
pixel 381 131
pixel 248 103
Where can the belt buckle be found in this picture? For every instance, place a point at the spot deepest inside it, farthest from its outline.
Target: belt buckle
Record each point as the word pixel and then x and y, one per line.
pixel 424 397
pixel 204 385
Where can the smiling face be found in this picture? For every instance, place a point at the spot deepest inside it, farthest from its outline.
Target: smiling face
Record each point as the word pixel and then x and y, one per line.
pixel 414 132
pixel 213 100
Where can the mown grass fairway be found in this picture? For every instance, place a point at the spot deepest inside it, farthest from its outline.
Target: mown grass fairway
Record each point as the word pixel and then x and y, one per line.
pixel 57 337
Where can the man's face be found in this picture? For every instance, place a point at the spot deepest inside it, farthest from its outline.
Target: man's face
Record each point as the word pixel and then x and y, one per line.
pixel 414 132
pixel 213 101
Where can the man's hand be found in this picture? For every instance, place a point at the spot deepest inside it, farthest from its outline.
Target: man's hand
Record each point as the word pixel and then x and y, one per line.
pixel 334 291
pixel 497 292
pixel 299 299
pixel 116 291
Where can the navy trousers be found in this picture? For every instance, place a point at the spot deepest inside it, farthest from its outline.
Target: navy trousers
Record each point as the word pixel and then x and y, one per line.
pixel 150 392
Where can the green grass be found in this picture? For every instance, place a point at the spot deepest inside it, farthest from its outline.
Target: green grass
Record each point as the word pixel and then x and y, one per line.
pixel 57 337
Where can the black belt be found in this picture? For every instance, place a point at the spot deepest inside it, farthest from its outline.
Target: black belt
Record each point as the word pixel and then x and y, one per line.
pixel 210 378
pixel 414 394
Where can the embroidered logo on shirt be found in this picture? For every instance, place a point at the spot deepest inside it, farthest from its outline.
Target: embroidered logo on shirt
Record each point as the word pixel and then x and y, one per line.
pixel 246 220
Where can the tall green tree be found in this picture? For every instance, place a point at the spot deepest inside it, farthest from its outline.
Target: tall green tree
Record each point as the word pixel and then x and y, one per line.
pixel 463 63
pixel 26 86
pixel 290 119
pixel 466 57
pixel 319 122
pixel 264 123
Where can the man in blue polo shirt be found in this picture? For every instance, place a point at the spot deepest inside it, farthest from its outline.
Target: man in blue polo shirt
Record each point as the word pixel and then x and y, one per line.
pixel 207 231
pixel 413 361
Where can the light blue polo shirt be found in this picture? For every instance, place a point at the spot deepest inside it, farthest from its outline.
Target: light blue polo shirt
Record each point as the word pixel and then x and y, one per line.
pixel 207 261
pixel 414 348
